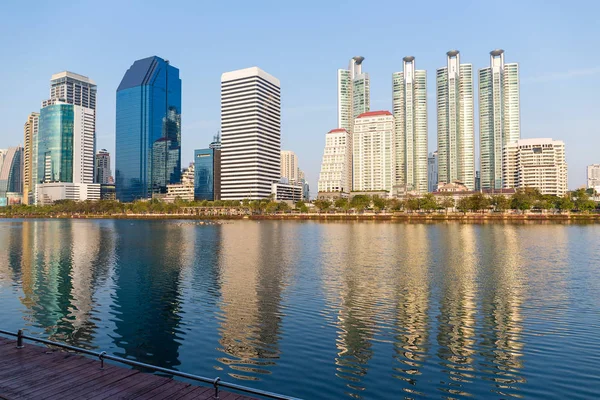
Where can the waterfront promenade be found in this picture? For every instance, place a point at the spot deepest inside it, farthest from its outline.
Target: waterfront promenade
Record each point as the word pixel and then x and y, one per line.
pixel 36 372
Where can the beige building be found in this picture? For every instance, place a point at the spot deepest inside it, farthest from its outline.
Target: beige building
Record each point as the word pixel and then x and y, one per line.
pixel 289 165
pixel 183 190
pixel 336 168
pixel 538 163
pixel 373 152
pixel 30 157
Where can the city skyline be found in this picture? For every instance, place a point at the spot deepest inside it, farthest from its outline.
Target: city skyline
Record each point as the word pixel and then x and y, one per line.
pixel 546 88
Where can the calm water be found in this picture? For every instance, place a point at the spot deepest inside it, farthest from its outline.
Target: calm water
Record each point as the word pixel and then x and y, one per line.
pixel 320 310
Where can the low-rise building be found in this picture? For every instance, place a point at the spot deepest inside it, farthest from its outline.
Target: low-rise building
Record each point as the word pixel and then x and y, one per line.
pixel 283 190
pixel 536 163
pixel 49 192
pixel 183 190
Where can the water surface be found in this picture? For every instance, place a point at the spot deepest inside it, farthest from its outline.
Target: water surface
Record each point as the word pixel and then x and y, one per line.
pixel 320 310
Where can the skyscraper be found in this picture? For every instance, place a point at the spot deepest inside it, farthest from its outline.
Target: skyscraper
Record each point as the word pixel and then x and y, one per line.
pixel 336 168
pixel 30 156
pixel 148 129
pixel 432 170
pixel 353 93
pixel 289 165
pixel 537 163
pixel 455 126
pixel 71 88
pixel 373 152
pixel 103 172
pixel 410 112
pixel 499 116
pixel 251 134
pixel 11 172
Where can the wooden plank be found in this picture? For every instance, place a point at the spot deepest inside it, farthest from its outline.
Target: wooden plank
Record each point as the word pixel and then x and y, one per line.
pixel 95 386
pixel 200 393
pixel 165 390
pixel 128 385
pixel 182 393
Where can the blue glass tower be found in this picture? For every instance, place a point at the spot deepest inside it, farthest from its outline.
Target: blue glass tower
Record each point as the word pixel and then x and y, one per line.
pixel 148 134
pixel 204 174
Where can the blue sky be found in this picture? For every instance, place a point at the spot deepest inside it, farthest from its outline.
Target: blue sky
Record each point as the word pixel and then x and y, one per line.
pixel 303 44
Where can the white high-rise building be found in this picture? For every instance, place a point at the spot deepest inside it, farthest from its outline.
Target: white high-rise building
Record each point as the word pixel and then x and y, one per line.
pixel 499 116
pixel 289 166
pixel 71 88
pixel 353 93
pixel 537 163
pixel 250 134
pixel 410 112
pixel 336 168
pixel 432 171
pixel 593 177
pixel 373 152
pixel 455 126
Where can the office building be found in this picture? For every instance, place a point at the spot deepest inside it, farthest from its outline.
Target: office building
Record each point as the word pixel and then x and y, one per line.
pixel 373 152
pixel 353 89
pixel 103 173
pixel 432 172
pixel 289 165
pixel 207 175
pixel 250 134
pixel 410 113
pixel 148 129
pixel 499 116
pixel 30 157
pixel 283 190
pixel 185 189
pixel 538 163
pixel 65 154
pixel 305 187
pixel 336 167
pixel 455 122
pixel 593 177
pixel 11 176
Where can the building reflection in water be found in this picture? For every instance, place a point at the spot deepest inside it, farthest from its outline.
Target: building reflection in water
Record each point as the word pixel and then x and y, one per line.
pixel 253 276
pixel 411 288
pixel 147 291
pixel 356 270
pixel 456 319
pixel 502 297
pixel 59 282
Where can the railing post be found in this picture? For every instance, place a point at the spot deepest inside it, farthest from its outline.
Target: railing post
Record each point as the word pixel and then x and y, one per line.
pixel 20 339
pixel 101 357
pixel 216 384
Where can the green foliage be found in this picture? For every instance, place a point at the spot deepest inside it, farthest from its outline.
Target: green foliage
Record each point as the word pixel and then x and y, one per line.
pixel 500 203
pixel 446 203
pixel 564 203
pixel 360 202
pixel 582 201
pixel 411 203
pixel 322 205
pixel 378 203
pixel 428 202
pixel 301 206
pixel 463 205
pixel 479 202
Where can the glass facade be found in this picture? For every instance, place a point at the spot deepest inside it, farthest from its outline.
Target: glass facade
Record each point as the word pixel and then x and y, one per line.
pixel 204 178
pixel 148 129
pixel 11 172
pixel 55 144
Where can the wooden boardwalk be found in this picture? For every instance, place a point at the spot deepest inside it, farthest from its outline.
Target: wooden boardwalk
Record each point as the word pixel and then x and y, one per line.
pixel 36 372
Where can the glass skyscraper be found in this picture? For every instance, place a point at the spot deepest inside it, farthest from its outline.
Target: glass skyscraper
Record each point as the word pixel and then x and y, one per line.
pixel 204 174
pixel 55 143
pixel 148 129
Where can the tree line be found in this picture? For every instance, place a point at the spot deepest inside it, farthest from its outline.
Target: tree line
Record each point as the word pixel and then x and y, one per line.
pixel 523 200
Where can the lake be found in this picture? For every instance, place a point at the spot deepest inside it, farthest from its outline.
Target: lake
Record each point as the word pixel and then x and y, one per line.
pixel 320 309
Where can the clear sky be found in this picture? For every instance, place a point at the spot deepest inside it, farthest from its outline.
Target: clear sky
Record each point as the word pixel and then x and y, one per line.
pixel 303 44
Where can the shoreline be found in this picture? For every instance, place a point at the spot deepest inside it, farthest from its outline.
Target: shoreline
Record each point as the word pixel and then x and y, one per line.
pixel 397 217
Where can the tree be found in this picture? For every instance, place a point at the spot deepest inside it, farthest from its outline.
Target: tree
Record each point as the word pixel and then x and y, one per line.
pixel 522 200
pixel 300 205
pixel 411 203
pixel 395 205
pixel 500 203
pixel 283 206
pixel 428 202
pixel 564 203
pixel 378 203
pixel 272 207
pixel 342 204
pixel 582 201
pixel 447 202
pixel 322 205
pixel 360 202
pixel 463 205
pixel 479 202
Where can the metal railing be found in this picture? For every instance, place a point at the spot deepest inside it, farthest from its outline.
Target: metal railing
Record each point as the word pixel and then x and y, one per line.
pixel 216 382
